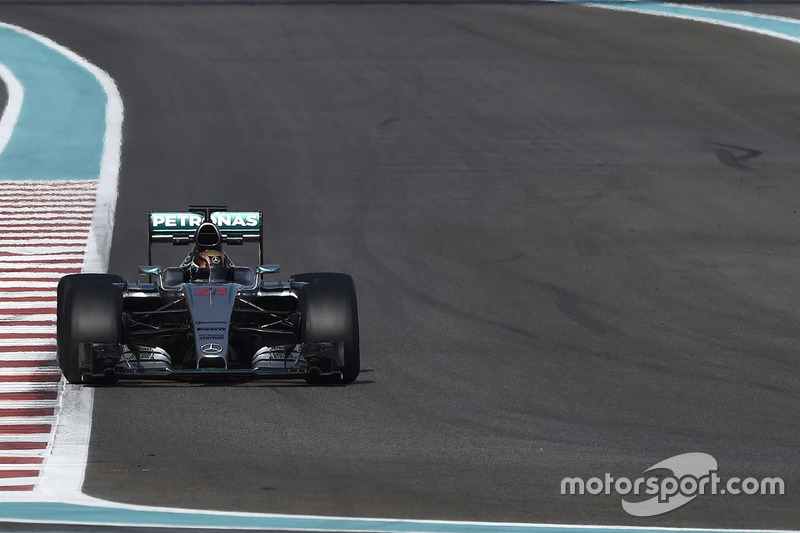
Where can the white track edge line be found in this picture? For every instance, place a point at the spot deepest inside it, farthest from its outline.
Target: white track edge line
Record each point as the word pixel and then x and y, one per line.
pixel 16 94
pixel 64 470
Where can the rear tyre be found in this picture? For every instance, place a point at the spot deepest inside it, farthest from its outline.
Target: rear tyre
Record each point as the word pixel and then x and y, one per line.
pixel 89 311
pixel 329 313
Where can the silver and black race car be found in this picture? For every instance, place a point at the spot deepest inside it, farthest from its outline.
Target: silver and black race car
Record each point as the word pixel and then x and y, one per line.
pixel 208 317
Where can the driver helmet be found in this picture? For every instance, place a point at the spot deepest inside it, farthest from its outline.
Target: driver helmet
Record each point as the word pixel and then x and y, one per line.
pixel 211 265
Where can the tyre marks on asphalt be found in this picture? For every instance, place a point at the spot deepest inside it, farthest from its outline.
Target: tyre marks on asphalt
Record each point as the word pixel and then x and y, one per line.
pixel 44 230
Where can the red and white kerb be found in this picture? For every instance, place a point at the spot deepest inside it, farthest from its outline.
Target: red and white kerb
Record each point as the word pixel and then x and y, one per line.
pixel 43 231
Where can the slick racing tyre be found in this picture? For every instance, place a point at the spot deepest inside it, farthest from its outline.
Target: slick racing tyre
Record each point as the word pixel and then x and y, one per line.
pixel 89 311
pixel 329 313
pixel 67 282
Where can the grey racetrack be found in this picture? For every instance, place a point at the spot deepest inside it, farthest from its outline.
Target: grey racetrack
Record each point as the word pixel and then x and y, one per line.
pixel 574 235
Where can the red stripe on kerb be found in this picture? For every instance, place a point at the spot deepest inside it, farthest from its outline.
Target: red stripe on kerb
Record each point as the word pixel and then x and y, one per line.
pixel 28 411
pixel 54 270
pixel 40 235
pixel 20 200
pixel 5 474
pixel 28 396
pixel 28 311
pixel 29 196
pixel 39 229
pixel 27 289
pixel 22 210
pixel 34 322
pixel 29 279
pixel 18 488
pixel 27 336
pixel 62 225
pixel 32 378
pixel 60 186
pixel 21 460
pixel 24 429
pixel 43 194
pixel 72 240
pixel 19 234
pixel 15 445
pixel 55 186
pixel 28 298
pixel 36 348
pixel 39 218
pixel 28 363
pixel 42 214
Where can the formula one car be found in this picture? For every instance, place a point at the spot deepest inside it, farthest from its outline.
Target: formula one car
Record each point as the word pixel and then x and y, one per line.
pixel 208 317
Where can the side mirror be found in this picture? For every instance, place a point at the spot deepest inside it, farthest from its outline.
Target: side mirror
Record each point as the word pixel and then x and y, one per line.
pixel 149 270
pixel 268 269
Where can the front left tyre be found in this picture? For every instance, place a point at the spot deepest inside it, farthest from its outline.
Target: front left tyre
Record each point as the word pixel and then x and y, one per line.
pixel 329 312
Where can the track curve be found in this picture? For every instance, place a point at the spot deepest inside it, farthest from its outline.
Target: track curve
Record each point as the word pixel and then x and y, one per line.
pixel 574 235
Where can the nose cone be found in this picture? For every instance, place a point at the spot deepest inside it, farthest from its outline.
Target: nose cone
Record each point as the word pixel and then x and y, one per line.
pixel 210 307
pixel 212 361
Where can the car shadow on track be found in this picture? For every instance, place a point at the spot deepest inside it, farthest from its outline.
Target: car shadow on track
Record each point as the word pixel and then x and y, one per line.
pixel 229 382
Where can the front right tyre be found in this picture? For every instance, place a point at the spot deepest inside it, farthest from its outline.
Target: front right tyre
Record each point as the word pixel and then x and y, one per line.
pixel 89 311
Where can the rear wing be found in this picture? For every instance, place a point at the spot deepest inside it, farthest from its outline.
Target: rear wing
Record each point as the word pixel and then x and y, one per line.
pixel 177 228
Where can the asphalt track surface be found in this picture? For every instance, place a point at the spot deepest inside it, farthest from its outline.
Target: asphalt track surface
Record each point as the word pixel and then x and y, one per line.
pixel 574 234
